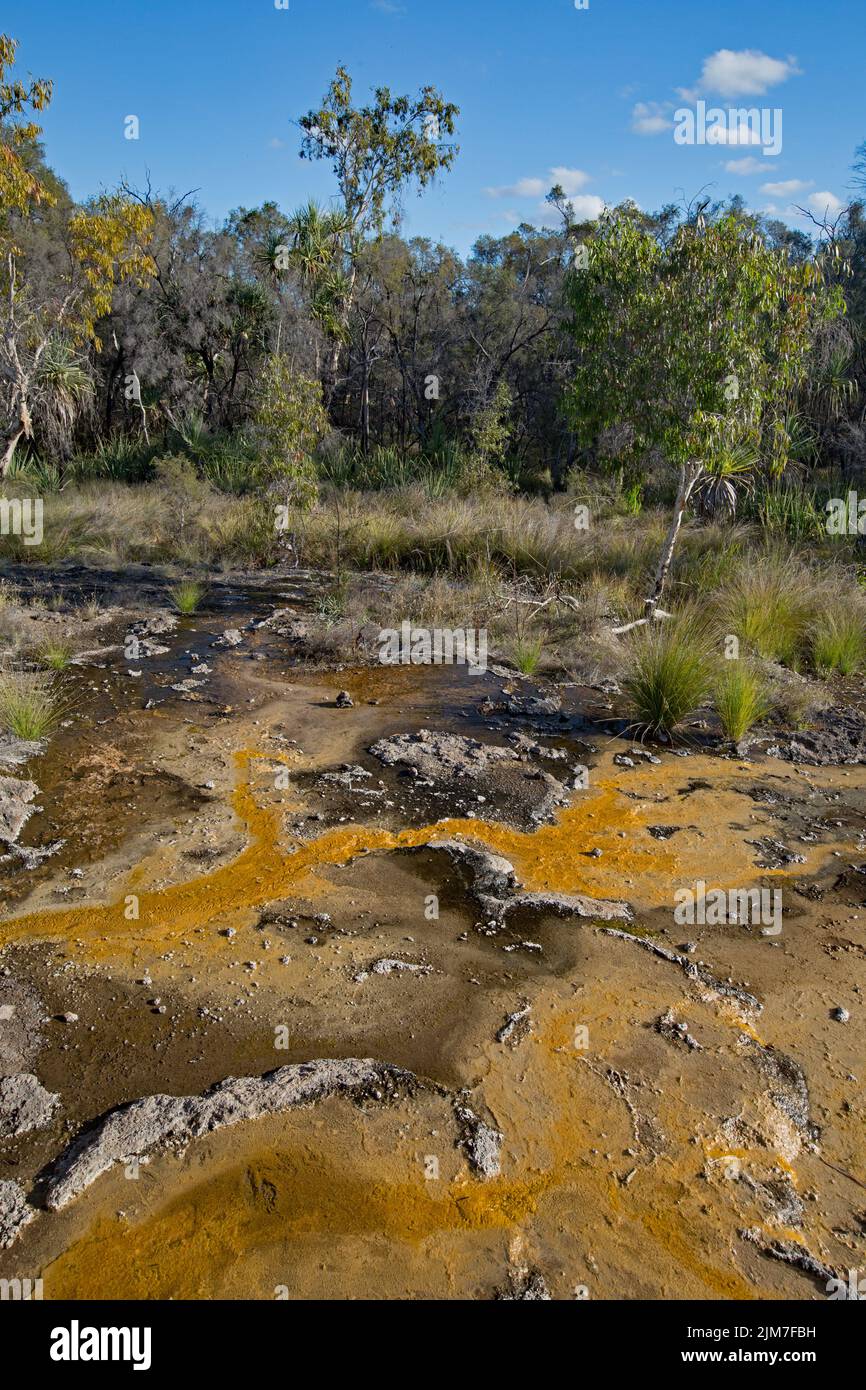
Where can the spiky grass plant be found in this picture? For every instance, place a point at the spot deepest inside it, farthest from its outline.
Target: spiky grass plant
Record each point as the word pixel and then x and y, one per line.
pixel 741 699
pixel 187 595
pixel 30 704
pixel 526 654
pixel 768 605
pixel 838 641
pixel 669 673
pixel 55 653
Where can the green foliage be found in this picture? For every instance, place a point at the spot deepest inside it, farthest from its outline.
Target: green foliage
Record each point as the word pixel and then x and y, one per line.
pixel 187 595
pixel 767 605
pixel 669 673
pixel 741 699
pixel 526 654
pixel 290 422
pixel 55 653
pixel 30 705
pixel 689 346
pixel 838 641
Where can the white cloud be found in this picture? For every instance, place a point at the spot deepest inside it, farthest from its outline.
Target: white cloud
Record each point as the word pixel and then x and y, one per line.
pixel 746 72
pixel 570 180
pixel 650 118
pixel 749 165
pixel 586 207
pixel 277 143
pixel 741 133
pixel 524 188
pixel 825 204
pixel 787 188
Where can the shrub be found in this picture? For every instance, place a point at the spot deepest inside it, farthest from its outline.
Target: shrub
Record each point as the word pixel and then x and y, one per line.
pixel 290 422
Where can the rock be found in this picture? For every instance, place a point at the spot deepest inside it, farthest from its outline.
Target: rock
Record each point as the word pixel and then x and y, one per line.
pixel 694 971
pixel 572 905
pixel 155 1122
pixel 492 876
pixel 481 1143
pixel 840 1015
pixel 792 1254
pixel 230 638
pixel 24 1104
pixel 441 756
pixel 15 751
pixel 621 760
pixel 774 854
pixel 524 1286
pixel 15 1213
pixel 532 706
pixel 15 809
pixel 676 1032
pixel 387 966
pixel 68 1018
pixel 516 1027
pixel 154 624
pixel 663 832
pixel 32 857
pixel 344 700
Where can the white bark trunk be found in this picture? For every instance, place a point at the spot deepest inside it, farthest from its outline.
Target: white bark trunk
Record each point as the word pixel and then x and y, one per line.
pixel 689 474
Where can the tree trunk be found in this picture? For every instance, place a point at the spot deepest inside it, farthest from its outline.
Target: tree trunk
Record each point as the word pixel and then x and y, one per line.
pixel 689 474
pixel 9 449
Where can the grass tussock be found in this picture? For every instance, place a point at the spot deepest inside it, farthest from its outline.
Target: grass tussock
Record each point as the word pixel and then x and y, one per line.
pixel 768 605
pixel 741 699
pixel 55 653
pixel 30 704
pixel 669 673
pixel 187 595
pixel 838 641
pixel 526 654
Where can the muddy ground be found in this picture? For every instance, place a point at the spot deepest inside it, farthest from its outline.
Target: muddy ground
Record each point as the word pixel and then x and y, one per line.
pixel 567 1093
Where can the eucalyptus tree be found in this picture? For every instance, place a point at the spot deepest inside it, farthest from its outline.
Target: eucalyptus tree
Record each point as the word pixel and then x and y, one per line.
pixel 695 348
pixel 377 153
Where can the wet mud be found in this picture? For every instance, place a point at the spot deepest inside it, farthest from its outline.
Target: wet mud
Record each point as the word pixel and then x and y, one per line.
pixel 244 885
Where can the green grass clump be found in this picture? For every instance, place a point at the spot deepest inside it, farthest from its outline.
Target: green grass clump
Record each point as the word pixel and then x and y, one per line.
pixel 30 705
pixel 669 674
pixel 526 654
pixel 838 642
pixel 741 699
pixel 55 654
pixel 768 606
pixel 187 595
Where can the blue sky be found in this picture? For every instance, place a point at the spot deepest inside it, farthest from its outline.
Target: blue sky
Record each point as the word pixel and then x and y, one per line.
pixel 541 85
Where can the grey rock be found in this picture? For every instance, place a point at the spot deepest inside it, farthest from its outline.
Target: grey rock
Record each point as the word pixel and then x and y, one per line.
pixel 157 1122
pixel 15 808
pixel 15 1213
pixel 24 1104
pixel 481 1143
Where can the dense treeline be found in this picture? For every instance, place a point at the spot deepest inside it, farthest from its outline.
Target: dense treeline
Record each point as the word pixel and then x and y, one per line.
pixel 132 327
